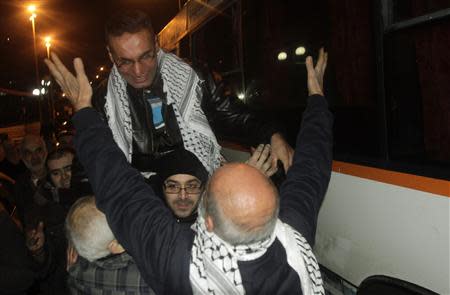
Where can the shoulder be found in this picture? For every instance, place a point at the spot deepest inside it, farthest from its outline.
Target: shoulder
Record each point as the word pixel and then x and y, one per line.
pixel 170 62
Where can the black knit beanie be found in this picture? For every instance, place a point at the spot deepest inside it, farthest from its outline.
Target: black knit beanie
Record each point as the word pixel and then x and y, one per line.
pixel 182 161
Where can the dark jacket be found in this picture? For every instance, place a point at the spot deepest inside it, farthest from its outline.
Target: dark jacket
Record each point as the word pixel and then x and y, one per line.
pixel 229 118
pixel 18 271
pixel 161 247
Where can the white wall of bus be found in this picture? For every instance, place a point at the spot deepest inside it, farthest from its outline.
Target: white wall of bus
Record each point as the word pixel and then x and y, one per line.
pixel 368 227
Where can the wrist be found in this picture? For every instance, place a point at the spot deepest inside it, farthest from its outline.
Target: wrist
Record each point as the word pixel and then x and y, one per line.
pixel 81 106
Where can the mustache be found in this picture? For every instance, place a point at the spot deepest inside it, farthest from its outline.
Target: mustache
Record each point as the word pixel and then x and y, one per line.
pixel 184 202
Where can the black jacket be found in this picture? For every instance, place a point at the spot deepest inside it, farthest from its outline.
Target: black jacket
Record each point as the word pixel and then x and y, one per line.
pixel 229 118
pixel 161 247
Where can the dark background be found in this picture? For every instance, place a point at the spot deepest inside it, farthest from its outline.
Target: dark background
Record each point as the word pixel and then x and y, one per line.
pixel 77 30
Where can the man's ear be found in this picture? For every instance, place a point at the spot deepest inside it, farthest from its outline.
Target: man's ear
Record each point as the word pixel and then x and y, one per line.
pixel 115 248
pixel 209 223
pixel 110 54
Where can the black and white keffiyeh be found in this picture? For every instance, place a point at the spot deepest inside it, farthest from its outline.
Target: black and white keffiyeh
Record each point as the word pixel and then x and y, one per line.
pixel 183 91
pixel 214 262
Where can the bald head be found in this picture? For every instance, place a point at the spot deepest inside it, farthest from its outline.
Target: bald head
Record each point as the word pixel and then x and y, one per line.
pixel 88 230
pixel 242 198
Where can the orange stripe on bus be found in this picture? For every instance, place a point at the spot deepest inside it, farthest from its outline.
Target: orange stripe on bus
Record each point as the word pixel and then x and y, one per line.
pixel 421 183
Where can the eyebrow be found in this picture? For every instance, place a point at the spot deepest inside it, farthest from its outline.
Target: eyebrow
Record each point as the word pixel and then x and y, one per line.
pixel 57 169
pixel 189 181
pixel 140 56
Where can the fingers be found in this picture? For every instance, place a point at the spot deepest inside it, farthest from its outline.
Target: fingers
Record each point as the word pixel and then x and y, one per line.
pixel 79 70
pixel 40 227
pixel 256 153
pixel 315 74
pixel 325 61
pixel 287 162
pixel 309 65
pixel 262 160
pixel 59 72
pixel 264 155
pixel 55 72
pixel 321 63
pixel 59 65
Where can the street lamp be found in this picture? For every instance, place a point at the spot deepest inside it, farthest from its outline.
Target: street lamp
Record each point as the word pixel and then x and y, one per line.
pixel 48 43
pixel 32 10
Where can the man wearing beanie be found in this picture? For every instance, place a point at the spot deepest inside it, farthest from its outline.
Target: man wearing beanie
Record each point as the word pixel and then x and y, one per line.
pixel 184 178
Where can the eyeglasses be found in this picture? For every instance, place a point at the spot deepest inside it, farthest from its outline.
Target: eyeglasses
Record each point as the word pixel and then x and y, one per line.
pixel 127 64
pixel 190 188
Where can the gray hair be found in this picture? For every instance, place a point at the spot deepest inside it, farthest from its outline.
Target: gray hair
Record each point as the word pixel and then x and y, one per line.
pixel 30 137
pixel 228 230
pixel 88 230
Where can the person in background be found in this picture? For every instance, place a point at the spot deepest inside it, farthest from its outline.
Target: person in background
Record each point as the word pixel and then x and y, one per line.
pixel 29 186
pixel 23 259
pixel 10 163
pixel 97 263
pixel 184 179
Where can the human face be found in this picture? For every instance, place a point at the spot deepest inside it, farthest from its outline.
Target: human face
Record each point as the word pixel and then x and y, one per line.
pixel 135 57
pixel 60 171
pixel 182 203
pixel 34 155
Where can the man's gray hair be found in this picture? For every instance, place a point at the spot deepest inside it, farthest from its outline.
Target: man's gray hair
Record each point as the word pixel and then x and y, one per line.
pixel 88 230
pixel 30 137
pixel 229 231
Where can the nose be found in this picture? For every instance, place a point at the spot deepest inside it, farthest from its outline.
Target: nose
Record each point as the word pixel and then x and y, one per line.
pixel 35 156
pixel 183 195
pixel 137 69
pixel 65 175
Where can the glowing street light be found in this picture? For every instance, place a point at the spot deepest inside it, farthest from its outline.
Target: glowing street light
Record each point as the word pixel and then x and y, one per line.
pixel 282 56
pixel 32 10
pixel 300 50
pixel 48 43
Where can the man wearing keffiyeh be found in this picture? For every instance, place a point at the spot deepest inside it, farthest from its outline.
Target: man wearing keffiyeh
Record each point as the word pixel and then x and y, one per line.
pixel 156 103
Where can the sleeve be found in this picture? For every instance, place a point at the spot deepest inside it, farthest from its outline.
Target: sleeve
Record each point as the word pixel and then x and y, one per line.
pixel 302 193
pixel 138 218
pixel 230 118
pixel 99 98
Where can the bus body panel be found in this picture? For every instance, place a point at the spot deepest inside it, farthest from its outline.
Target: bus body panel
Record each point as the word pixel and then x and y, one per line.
pixel 367 227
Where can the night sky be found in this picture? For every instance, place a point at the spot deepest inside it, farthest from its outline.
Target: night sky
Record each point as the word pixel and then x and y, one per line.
pixel 76 27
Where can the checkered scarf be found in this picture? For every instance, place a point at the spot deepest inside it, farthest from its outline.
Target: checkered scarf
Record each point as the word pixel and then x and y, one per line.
pixel 183 91
pixel 214 263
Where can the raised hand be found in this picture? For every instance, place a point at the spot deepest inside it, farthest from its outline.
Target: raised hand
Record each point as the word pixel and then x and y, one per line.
pixel 261 159
pixel 281 150
pixel 35 240
pixel 315 74
pixel 77 88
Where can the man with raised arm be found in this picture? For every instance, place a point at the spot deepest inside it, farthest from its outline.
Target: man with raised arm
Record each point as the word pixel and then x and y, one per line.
pixel 246 239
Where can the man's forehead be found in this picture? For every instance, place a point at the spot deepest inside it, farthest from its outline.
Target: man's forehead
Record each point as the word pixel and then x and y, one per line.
pixel 130 42
pixel 33 144
pixel 60 162
pixel 182 178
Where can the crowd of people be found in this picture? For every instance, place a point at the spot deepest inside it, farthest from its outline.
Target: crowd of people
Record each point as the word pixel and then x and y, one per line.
pixel 144 202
